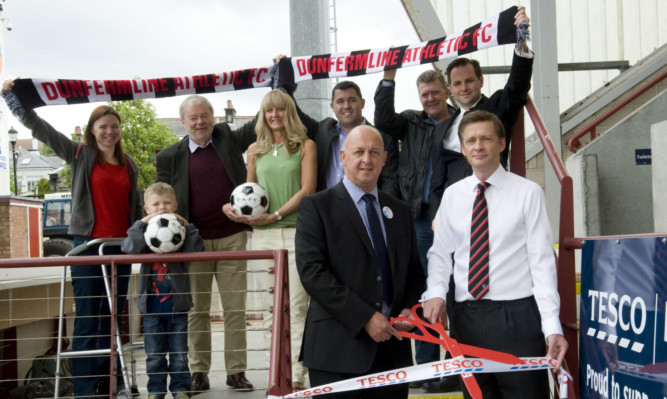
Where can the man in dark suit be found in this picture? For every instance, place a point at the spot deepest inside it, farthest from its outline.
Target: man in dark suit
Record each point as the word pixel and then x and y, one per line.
pixel 359 269
pixel 465 82
pixel 204 168
pixel 329 135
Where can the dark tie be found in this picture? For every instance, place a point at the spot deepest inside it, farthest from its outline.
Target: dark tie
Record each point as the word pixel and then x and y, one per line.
pixel 379 247
pixel 478 272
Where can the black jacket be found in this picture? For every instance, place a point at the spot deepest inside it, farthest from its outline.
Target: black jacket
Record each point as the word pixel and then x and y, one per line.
pixel 338 269
pixel 172 163
pixel 323 133
pixel 418 133
pixel 135 243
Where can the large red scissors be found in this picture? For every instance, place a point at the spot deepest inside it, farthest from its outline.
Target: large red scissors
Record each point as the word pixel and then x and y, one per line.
pixel 452 346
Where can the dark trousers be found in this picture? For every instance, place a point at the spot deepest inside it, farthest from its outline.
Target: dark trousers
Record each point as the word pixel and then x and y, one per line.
pixel 383 361
pixel 507 326
pixel 425 352
pixel 92 323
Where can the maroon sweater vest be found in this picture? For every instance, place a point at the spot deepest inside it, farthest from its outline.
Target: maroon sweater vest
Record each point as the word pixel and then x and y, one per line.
pixel 210 188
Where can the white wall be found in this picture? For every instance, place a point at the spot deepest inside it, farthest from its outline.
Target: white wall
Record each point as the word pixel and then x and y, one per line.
pixel 588 30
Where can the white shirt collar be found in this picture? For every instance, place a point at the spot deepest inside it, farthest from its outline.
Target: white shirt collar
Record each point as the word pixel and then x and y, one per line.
pixel 193 146
pixel 497 179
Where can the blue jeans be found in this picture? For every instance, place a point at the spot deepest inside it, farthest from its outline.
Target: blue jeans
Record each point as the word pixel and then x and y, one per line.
pixel 92 326
pixel 167 334
pixel 426 352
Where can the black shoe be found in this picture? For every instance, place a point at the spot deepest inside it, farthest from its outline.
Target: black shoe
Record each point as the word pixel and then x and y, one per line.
pixel 103 386
pixel 200 383
pixel 239 382
pixel 445 384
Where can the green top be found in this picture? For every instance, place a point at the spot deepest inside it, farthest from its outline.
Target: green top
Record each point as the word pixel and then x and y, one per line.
pixel 280 176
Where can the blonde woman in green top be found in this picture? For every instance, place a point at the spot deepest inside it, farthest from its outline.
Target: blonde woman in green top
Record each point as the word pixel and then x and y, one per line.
pixel 284 162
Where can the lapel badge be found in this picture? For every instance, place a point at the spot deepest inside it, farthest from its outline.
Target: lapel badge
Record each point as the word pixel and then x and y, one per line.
pixel 386 211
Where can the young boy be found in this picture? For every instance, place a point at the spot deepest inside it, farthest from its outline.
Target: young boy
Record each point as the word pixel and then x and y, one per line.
pixel 164 299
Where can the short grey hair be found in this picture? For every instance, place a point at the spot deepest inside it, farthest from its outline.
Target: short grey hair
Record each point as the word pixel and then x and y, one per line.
pixel 194 100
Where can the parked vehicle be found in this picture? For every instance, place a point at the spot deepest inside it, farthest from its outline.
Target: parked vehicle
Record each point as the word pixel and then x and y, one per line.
pixel 55 222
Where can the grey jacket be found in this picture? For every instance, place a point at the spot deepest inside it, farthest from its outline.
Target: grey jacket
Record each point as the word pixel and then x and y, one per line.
pixel 178 271
pixel 81 159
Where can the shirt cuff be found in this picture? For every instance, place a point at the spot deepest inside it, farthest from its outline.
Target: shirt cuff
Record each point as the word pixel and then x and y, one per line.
pixel 524 54
pixel 434 292
pixel 551 326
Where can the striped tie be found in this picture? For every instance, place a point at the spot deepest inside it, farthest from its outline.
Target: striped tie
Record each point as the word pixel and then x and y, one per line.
pixel 478 272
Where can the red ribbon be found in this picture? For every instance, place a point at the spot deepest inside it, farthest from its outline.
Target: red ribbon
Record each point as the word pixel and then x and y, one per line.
pixel 453 347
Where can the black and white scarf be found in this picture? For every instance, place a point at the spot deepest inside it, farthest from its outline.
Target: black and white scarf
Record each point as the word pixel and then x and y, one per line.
pixel 494 31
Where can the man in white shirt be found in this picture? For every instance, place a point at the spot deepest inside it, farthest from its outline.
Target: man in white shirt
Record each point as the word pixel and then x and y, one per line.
pixel 510 303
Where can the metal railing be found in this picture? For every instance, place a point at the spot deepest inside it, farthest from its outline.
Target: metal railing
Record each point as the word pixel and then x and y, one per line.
pixel 565 259
pixel 279 382
pixel 573 142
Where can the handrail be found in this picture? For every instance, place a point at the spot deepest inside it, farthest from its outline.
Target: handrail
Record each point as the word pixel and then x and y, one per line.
pixel 138 258
pixel 573 142
pixel 577 242
pixel 566 256
pixel 280 362
pixel 545 138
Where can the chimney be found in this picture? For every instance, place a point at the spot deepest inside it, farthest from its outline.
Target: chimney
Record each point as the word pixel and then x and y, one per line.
pixel 230 113
pixel 77 133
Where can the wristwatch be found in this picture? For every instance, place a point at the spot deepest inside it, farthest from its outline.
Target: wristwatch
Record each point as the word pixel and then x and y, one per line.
pixel 278 216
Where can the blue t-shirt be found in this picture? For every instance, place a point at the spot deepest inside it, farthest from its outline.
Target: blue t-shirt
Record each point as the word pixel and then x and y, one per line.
pixel 160 296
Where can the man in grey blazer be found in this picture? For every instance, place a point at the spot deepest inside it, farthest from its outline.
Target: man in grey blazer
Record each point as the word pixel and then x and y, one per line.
pixel 204 168
pixel 357 276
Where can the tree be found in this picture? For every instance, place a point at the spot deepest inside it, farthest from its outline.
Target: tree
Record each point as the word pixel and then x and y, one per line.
pixel 47 152
pixel 142 135
pixel 11 183
pixel 65 176
pixel 42 187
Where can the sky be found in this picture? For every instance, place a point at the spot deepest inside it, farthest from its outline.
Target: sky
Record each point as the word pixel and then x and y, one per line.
pixel 125 39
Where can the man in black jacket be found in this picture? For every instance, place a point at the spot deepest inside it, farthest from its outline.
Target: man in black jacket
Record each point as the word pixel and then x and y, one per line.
pixel 465 81
pixel 204 168
pixel 356 254
pixel 329 135
pixel 418 131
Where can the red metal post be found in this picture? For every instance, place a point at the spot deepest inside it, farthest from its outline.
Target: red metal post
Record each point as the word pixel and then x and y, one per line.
pixel 518 147
pixel 280 366
pixel 567 280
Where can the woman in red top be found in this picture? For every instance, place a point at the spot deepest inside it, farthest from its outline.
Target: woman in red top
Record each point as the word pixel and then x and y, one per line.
pixel 105 203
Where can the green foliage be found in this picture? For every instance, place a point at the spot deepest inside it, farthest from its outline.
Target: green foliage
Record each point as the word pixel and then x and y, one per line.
pixel 42 187
pixel 47 152
pixel 65 176
pixel 143 134
pixel 11 183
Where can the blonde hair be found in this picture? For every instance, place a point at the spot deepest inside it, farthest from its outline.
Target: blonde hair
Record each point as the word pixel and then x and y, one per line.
pixel 295 134
pixel 160 189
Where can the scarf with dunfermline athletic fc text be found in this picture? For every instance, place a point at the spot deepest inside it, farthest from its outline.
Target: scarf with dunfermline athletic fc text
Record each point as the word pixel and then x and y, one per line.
pixel 494 31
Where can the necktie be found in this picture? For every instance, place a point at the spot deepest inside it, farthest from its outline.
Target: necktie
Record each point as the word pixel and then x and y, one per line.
pixel 478 272
pixel 379 247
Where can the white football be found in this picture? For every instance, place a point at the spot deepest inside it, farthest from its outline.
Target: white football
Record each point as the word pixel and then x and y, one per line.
pixel 164 233
pixel 249 199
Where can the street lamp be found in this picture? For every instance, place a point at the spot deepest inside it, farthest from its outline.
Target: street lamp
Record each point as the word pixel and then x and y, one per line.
pixel 12 133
